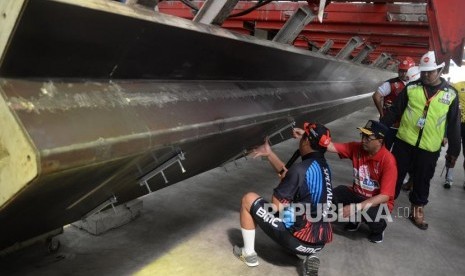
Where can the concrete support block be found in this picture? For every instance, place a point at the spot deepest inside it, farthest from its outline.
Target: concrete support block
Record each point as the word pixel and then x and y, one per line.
pixel 103 221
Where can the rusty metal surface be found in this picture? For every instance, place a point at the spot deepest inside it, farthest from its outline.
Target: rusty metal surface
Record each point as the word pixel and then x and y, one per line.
pixel 101 122
pixel 447 36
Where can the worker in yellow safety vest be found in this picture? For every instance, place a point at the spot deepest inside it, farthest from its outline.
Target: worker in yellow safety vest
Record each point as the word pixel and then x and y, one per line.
pixel 427 109
pixel 460 87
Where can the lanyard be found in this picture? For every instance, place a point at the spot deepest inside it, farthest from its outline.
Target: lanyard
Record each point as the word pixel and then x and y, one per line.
pixel 428 100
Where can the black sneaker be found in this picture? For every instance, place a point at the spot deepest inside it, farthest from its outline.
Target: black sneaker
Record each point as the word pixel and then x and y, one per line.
pixel 376 238
pixel 352 226
pixel 408 186
pixel 447 184
pixel 311 265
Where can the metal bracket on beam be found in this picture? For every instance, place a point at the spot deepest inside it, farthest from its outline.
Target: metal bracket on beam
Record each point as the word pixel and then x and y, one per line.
pixel 234 158
pixel 396 17
pixel 382 60
pixel 353 43
pixel 159 170
pixel 244 153
pixel 326 47
pixel 393 66
pixel 294 25
pixel 215 11
pixel 363 53
pixel 280 131
pixel 262 34
pixel 111 201
pixel 150 4
pixel 312 46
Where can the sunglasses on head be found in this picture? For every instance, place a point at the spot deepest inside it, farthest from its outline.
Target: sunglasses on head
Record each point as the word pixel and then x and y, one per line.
pixel 310 132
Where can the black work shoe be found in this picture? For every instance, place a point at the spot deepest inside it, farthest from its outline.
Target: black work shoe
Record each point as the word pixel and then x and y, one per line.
pixel 447 184
pixel 311 265
pixel 352 226
pixel 407 186
pixel 376 238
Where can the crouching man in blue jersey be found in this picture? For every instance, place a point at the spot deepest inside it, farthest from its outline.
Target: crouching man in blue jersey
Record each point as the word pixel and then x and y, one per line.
pixel 296 217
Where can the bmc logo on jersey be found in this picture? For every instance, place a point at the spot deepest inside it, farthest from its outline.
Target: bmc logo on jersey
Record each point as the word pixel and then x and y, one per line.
pixel 267 217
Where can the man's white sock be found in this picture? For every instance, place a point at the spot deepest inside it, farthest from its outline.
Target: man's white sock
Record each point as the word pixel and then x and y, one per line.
pixel 249 240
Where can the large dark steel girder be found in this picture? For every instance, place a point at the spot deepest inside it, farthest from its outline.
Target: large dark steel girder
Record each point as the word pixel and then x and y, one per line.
pixel 80 131
pixel 95 140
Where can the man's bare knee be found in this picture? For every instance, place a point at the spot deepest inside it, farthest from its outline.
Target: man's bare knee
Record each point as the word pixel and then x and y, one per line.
pixel 248 199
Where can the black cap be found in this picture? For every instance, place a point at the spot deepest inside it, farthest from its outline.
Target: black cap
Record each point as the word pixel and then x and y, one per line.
pixel 374 128
pixel 318 135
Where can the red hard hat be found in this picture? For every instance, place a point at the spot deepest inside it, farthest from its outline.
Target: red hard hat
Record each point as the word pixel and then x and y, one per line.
pixel 407 63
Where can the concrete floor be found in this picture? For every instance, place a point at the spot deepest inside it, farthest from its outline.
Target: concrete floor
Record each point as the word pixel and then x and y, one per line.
pixel 189 229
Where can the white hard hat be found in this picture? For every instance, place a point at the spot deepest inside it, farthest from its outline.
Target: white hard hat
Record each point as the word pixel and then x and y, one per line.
pixel 413 74
pixel 428 62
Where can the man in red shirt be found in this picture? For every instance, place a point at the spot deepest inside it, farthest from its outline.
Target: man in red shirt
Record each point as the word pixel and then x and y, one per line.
pixel 374 183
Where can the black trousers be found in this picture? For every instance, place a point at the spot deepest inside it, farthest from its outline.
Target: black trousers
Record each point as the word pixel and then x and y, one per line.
pixel 343 195
pixel 462 132
pixel 389 140
pixel 421 164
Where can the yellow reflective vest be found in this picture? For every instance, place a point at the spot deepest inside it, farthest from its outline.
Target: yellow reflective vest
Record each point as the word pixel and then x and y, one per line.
pixel 428 137
pixel 460 87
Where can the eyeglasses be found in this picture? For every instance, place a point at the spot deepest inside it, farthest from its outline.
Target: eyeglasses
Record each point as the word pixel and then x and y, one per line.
pixel 367 137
